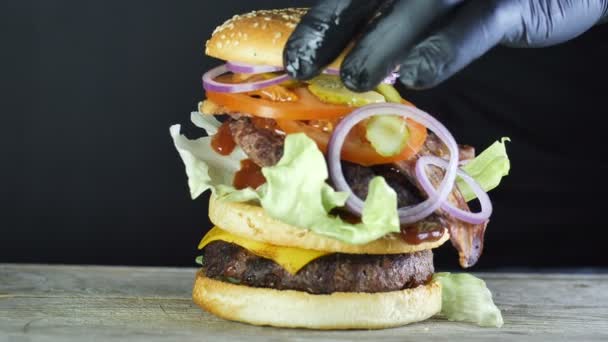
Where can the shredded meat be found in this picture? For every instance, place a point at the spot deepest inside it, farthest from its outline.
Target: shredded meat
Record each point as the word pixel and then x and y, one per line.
pixel 466 152
pixel 434 146
pixel 465 237
pixel 358 177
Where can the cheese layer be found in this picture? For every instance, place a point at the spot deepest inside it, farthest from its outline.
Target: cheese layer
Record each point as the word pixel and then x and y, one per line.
pixel 290 258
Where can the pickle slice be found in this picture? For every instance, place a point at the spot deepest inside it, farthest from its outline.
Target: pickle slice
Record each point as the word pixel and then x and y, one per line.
pixel 389 92
pixel 388 134
pixel 329 89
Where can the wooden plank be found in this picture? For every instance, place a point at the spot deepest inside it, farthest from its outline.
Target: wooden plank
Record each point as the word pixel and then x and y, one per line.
pixel 79 303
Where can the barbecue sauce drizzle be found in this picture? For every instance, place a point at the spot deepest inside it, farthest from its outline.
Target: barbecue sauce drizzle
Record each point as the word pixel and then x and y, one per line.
pixel 223 142
pixel 250 175
pixel 416 235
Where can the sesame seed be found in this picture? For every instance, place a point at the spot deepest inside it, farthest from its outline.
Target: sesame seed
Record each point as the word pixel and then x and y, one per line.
pixel 219 45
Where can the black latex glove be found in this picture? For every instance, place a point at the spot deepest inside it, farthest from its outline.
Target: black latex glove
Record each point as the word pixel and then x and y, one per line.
pixel 429 39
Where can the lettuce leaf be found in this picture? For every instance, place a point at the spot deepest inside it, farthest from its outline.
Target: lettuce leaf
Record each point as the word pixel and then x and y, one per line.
pixel 207 122
pixel 295 191
pixel 466 298
pixel 487 169
pixel 206 169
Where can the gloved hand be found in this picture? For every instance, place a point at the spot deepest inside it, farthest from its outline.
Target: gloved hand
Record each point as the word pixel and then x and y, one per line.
pixel 429 40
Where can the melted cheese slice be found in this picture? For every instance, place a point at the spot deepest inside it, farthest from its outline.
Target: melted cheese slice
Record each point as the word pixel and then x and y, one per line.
pixel 290 258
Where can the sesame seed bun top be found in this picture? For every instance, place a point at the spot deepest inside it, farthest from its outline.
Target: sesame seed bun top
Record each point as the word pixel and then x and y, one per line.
pixel 256 37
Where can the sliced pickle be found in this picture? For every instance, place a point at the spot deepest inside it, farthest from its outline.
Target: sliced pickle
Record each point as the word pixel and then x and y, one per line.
pixel 329 89
pixel 388 134
pixel 389 92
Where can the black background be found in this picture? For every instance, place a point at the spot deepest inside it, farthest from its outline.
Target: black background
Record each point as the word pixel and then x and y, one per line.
pixel 89 173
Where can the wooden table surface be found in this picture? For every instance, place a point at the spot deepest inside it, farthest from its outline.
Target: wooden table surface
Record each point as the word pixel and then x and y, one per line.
pixel 92 303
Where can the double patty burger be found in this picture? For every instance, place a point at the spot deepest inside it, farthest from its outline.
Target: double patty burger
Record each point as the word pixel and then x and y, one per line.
pixel 322 219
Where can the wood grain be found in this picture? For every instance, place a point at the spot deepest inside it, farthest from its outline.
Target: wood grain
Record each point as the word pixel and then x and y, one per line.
pixel 90 303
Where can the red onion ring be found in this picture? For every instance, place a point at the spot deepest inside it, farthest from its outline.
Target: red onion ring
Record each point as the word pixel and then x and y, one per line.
pixel 408 214
pixel 244 68
pixel 210 84
pixel 462 215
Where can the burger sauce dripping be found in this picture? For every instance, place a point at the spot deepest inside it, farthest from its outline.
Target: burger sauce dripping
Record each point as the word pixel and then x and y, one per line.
pixel 418 234
pixel 413 235
pixel 250 175
pixel 223 142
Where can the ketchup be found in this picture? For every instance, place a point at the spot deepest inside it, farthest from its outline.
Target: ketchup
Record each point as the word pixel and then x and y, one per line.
pixel 347 216
pixel 223 142
pixel 250 175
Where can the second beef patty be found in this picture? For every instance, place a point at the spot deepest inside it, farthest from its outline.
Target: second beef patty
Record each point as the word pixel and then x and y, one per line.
pixel 332 273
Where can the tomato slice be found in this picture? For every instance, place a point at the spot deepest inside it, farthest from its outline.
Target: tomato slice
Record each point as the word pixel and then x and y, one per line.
pixel 356 149
pixel 306 107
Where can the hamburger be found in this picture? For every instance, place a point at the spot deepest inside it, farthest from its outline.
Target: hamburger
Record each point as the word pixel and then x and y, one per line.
pixel 326 203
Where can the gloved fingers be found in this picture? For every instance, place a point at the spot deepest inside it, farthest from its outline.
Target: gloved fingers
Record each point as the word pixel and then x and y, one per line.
pixel 386 39
pixel 550 22
pixel 323 34
pixel 474 29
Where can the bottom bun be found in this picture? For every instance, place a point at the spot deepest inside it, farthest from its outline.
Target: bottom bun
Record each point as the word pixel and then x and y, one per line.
pixel 297 309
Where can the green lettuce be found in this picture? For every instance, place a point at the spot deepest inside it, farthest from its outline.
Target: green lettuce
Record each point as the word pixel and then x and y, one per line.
pixel 487 169
pixel 207 122
pixel 295 191
pixel 466 298
pixel 205 168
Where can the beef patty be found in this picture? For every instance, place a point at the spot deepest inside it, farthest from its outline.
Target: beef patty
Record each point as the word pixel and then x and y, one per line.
pixel 331 273
pixel 263 146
